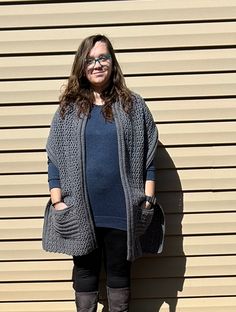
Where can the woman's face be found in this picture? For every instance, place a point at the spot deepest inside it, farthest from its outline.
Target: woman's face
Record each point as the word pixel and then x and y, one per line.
pixel 98 66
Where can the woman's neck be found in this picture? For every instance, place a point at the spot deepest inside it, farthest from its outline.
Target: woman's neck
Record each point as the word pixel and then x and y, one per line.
pixel 97 98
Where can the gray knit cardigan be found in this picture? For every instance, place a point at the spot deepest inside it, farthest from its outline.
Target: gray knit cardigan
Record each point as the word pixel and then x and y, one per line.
pixel 71 231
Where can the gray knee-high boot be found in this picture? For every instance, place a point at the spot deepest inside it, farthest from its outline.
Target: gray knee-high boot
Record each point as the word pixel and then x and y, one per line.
pixel 86 301
pixel 118 299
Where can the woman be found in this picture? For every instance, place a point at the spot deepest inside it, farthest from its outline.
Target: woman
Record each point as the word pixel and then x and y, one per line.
pixel 100 149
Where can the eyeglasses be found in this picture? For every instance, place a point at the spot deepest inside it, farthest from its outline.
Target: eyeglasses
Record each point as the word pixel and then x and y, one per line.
pixel 103 60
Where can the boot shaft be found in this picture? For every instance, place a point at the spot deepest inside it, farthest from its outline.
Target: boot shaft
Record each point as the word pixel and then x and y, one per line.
pixel 86 301
pixel 118 299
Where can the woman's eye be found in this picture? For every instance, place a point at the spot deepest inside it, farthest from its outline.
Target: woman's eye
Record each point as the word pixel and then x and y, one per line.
pixel 89 61
pixel 102 58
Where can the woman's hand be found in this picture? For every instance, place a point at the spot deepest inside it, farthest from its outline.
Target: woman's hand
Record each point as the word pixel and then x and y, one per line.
pixel 60 206
pixel 146 205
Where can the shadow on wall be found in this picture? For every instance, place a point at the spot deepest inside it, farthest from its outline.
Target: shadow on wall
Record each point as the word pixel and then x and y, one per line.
pixel 156 279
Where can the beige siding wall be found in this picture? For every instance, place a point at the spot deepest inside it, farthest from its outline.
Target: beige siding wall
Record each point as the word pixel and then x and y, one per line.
pixel 181 57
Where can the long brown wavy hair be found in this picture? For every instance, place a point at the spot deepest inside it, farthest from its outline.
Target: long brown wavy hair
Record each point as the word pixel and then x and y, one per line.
pixel 78 90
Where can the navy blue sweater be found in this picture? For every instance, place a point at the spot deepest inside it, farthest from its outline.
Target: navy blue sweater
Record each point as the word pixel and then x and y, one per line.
pixel 105 190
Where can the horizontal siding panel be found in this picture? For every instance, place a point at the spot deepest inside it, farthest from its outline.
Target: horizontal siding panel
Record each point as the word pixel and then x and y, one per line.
pixel 23 207
pixel 27 116
pixel 162 111
pixel 197 133
pixel 38 307
pixel 212 223
pixel 35 66
pixel 194 157
pixel 113 12
pixel 143 268
pixel 197 179
pixel 9 2
pixel 174 246
pixel 28 184
pixel 197 201
pixel 36 291
pixel 30 91
pixel 131 63
pixel 148 87
pixel 23 139
pixel 128 37
pixel 79 14
pixel 31 250
pixel 200 245
pixel 193 110
pixel 173 267
pixel 23 162
pixel 170 134
pixel 204 179
pixel 192 287
pixel 167 158
pixel 193 202
pixel 62 291
pixel 226 304
pixel 36 270
pixel 23 229
pixel 200 223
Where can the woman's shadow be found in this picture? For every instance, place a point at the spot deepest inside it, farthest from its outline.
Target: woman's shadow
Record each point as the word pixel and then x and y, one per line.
pixel 157 279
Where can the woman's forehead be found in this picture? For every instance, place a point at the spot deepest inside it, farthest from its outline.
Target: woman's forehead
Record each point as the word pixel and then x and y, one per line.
pixel 98 49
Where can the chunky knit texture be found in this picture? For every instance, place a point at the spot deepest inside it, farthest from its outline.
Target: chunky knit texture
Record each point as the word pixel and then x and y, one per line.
pixel 71 231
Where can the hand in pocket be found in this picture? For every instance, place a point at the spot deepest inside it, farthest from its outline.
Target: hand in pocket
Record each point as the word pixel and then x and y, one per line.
pixel 60 206
pixel 144 219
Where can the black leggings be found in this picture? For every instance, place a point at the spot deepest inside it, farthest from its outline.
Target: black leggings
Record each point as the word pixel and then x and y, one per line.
pixel 112 244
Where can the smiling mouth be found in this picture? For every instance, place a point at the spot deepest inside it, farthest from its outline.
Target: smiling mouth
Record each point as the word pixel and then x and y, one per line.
pixel 99 74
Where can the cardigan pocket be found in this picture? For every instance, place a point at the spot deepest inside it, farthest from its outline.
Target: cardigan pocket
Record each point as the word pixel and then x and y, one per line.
pixel 65 222
pixel 144 219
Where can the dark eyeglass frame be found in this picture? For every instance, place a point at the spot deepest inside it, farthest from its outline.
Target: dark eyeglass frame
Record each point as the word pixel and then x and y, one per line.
pixel 91 61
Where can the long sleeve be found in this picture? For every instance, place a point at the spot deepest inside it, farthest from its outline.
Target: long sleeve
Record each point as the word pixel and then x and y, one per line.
pixel 151 172
pixel 53 175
